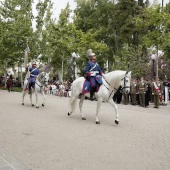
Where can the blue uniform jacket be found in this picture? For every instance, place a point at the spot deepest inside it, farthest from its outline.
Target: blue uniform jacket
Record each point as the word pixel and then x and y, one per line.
pixel 33 74
pixel 90 65
pixel 93 79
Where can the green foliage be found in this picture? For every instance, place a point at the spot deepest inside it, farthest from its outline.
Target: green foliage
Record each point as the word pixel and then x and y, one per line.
pixel 117 31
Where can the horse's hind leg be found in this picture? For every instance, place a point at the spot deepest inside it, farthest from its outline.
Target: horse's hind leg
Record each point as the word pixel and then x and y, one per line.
pixel 72 105
pixel 23 95
pixel 80 106
pixel 116 110
pixel 99 101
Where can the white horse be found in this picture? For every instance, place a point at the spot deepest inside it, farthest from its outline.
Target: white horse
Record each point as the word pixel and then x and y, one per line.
pixel 41 81
pixel 111 82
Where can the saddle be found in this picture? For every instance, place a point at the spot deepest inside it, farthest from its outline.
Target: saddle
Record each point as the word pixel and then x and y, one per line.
pixel 87 85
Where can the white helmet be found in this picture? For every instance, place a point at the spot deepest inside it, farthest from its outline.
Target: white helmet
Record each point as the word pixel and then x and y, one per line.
pixel 34 62
pixel 92 54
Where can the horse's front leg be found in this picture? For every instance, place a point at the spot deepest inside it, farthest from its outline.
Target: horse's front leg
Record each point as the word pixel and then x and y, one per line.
pixel 31 99
pixel 99 101
pixel 116 110
pixel 36 98
pixel 80 106
pixel 43 104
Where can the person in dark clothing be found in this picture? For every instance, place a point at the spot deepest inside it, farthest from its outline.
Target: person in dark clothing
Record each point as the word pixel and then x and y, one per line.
pixel 92 71
pixel 118 96
pixel 147 93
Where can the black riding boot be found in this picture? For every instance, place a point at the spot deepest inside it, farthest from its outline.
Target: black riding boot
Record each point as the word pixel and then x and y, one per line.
pixel 29 88
pixel 92 90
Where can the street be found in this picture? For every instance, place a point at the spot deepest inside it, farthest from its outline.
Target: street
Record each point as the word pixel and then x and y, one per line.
pixel 47 139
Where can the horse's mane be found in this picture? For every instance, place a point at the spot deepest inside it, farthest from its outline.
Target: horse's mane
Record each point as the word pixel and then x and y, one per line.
pixel 116 73
pixel 114 77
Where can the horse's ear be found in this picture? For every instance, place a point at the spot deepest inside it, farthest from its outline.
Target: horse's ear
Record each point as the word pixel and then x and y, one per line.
pixel 130 72
pixel 126 72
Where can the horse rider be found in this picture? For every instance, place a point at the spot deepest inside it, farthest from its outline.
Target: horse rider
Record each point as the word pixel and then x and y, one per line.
pixel 9 76
pixel 93 74
pixel 33 75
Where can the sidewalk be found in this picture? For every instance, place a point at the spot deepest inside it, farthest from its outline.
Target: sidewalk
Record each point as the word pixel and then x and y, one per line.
pixel 5 165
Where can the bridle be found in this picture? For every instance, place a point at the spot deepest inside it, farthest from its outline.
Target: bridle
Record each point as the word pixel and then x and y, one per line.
pixel 124 83
pixel 114 89
pixel 44 82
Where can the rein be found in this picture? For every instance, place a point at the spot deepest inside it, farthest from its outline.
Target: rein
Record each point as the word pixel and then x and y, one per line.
pixel 114 89
pixel 108 88
pixel 40 82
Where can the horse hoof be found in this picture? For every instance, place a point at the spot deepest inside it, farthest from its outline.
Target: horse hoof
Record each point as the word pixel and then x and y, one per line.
pixel 32 105
pixel 37 107
pixel 117 122
pixel 22 103
pixel 97 122
pixel 83 118
pixel 69 114
pixel 43 105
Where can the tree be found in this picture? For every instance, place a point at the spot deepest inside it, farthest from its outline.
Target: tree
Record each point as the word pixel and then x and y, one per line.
pixel 16 28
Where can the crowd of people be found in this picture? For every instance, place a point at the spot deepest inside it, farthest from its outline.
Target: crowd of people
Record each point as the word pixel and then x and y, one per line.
pixel 62 89
pixel 143 92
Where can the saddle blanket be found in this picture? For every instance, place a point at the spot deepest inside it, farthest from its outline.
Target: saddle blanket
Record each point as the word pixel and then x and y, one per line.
pixel 87 86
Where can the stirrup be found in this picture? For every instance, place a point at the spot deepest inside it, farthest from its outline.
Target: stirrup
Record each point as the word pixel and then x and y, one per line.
pixel 91 98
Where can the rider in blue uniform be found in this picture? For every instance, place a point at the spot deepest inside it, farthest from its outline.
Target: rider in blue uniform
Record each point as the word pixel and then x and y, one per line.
pixel 93 74
pixel 33 75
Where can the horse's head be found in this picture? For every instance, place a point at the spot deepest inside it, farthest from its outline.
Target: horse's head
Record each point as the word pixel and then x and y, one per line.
pixel 125 82
pixel 43 78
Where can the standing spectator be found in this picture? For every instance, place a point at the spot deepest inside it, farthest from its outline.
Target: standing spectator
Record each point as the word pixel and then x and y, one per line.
pixel 142 91
pixel 51 90
pixel 54 88
pixel 66 88
pixel 125 97
pixel 57 88
pixel 133 91
pixel 137 94
pixel 169 90
pixel 165 90
pixel 157 92
pixel 61 89
pixel 151 93
pixel 147 94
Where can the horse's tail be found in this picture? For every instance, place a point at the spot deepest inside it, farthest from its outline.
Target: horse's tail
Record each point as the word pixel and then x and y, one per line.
pixel 72 101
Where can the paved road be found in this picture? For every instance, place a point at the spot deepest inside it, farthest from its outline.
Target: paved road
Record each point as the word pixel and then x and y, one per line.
pixel 47 139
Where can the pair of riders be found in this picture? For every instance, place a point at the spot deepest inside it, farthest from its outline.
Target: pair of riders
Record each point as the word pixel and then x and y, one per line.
pixel 93 73
pixel 34 71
